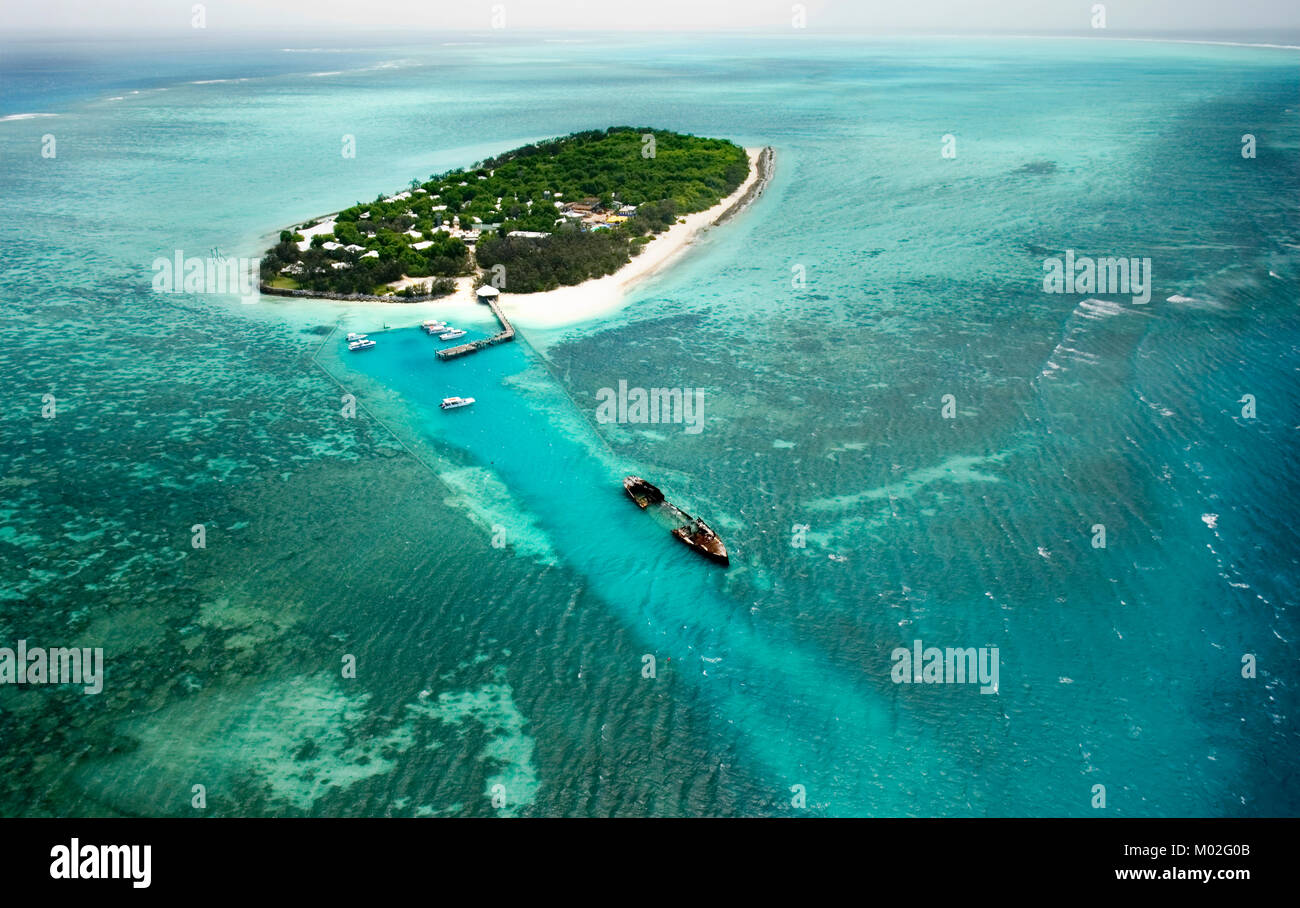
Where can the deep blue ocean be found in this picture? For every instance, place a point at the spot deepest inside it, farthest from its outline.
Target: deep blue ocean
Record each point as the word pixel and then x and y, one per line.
pixel 499 594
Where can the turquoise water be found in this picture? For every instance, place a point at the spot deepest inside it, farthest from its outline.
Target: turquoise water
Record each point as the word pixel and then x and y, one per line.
pixel 520 665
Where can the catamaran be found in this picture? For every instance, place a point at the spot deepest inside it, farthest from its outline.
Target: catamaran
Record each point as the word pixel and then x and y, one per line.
pixel 451 403
pixel 363 344
pixel 434 326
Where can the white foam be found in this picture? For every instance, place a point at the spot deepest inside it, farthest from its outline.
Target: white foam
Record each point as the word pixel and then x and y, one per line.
pixel 1097 308
pixel 1077 354
pixel 1194 302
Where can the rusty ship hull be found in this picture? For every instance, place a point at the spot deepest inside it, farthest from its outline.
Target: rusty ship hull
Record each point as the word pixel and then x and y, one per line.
pixel 690 531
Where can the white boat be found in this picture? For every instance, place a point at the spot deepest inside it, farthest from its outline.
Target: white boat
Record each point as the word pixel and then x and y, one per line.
pixel 451 403
pixel 434 327
pixel 353 336
pixel 451 335
pixel 358 345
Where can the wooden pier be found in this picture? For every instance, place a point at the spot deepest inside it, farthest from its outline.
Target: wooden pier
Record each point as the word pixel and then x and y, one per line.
pixel 507 333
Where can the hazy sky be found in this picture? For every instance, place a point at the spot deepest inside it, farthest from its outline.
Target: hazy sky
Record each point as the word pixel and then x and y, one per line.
pixel 822 15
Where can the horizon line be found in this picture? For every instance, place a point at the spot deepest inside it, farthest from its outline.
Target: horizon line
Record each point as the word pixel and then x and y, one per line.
pixel 715 30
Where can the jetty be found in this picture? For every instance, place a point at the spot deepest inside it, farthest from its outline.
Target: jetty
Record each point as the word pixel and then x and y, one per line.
pixel 491 297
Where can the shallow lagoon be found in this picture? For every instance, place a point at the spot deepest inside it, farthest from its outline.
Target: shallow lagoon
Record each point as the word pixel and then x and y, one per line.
pixel 522 665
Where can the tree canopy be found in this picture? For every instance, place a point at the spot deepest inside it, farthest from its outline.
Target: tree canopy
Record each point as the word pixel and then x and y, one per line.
pixel 662 174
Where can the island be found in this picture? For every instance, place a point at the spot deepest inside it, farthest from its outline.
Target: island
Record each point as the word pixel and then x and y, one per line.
pixel 553 214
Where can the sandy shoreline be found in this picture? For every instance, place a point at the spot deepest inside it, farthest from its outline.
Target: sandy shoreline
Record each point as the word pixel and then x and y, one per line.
pixel 566 306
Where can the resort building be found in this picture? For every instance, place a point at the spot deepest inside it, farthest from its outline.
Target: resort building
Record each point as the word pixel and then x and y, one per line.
pixel 584 208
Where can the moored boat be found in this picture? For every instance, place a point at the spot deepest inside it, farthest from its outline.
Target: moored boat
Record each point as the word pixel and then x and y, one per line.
pixel 353 336
pixel 358 345
pixel 452 334
pixel 452 403
pixel 434 327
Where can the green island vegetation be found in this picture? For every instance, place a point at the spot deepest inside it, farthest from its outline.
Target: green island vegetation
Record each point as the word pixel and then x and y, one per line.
pixel 554 213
